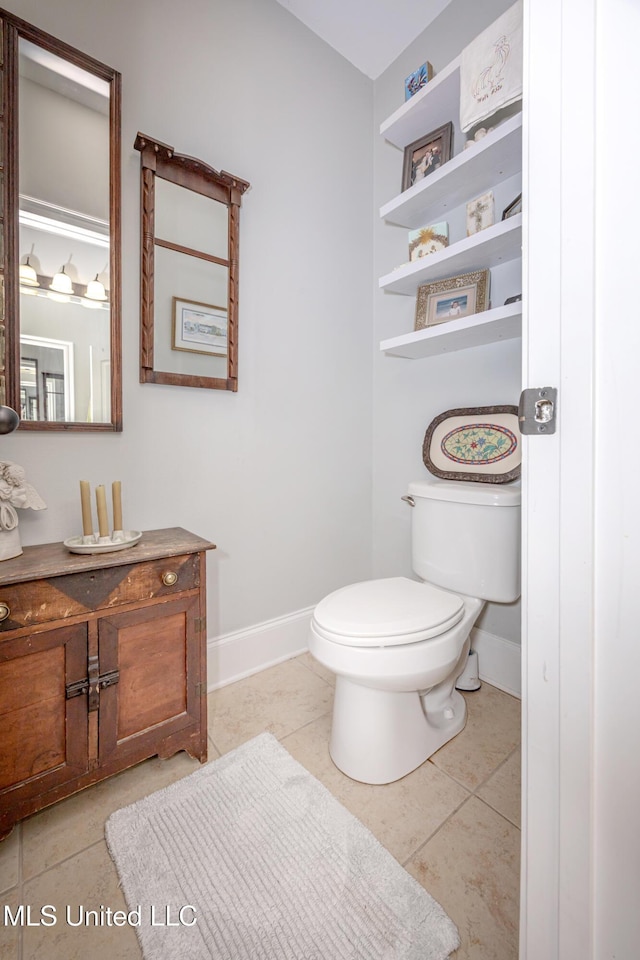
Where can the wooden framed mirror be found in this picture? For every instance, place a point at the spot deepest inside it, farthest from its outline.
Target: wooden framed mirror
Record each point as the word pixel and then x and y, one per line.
pixel 189 266
pixel 60 233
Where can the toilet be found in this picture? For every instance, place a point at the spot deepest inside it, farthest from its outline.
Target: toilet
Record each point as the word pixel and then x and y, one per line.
pixel 397 645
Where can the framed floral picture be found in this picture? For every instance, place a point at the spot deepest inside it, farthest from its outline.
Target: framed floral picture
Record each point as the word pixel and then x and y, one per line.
pixel 199 327
pixel 452 299
pixel 426 155
pixel 426 240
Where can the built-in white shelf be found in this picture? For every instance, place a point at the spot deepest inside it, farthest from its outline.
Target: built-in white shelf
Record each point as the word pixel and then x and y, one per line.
pixel 493 159
pixel 500 323
pixel 489 248
pixel 430 108
pixel 490 161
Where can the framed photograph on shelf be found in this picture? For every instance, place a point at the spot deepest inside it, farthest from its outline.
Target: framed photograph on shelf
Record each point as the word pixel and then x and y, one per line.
pixel 199 327
pixel 480 213
pixel 417 80
pixel 452 299
pixel 426 155
pixel 514 207
pixel 426 240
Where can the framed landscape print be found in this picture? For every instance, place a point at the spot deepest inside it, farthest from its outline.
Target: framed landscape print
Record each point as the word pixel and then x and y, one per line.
pixel 199 328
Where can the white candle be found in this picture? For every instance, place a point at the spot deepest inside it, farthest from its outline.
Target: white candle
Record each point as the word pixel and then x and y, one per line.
pixel 116 493
pixel 85 500
pixel 101 503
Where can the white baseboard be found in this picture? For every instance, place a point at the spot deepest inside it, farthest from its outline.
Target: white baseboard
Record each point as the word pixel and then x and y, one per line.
pixel 241 653
pixel 499 661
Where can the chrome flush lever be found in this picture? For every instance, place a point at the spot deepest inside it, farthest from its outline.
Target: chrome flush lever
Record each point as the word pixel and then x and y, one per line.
pixel 409 500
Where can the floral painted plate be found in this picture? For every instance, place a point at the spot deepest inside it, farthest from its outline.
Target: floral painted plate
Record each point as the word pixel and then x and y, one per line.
pixel 474 443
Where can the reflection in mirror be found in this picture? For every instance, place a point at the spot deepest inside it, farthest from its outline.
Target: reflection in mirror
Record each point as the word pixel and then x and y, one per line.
pixel 189 315
pixel 62 251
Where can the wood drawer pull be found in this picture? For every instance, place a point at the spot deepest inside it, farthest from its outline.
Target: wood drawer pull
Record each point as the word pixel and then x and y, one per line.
pixel 169 578
pixel 5 610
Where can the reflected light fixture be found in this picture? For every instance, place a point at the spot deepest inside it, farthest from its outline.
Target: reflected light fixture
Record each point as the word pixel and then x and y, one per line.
pixel 28 275
pixel 61 283
pixel 96 290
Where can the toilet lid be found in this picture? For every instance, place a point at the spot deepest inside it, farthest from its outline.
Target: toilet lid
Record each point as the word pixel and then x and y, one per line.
pixel 391 611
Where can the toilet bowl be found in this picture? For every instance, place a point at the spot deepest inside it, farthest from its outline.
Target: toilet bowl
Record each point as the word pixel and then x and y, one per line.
pixel 397 645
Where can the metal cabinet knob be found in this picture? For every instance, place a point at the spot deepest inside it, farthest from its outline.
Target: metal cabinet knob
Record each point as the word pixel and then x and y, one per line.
pixel 5 610
pixel 169 578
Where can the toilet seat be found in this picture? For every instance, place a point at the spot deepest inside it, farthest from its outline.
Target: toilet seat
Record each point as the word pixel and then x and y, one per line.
pixel 387 613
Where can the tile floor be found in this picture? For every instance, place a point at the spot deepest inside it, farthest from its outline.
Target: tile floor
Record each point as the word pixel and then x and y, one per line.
pixel 453 823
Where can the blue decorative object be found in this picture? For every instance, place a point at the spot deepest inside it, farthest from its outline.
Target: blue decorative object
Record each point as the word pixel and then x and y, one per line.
pixel 417 80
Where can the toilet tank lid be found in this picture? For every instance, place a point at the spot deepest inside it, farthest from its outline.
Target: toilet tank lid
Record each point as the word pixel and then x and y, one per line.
pixel 465 491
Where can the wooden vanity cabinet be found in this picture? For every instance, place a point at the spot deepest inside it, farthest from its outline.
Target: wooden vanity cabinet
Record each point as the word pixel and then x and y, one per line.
pixel 102 664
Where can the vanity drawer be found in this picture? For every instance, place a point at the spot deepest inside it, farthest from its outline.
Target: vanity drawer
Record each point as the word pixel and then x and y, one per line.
pixel 74 594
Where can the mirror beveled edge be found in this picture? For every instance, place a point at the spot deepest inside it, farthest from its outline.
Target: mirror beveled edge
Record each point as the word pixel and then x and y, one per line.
pixel 160 160
pixel 14 28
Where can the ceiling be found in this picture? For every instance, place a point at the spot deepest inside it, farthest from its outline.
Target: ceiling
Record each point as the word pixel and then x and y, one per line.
pixel 369 33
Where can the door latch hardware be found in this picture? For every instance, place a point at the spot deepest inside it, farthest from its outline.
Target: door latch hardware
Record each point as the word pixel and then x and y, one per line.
pixel 537 411
pixel 77 689
pixel 92 687
pixel 108 679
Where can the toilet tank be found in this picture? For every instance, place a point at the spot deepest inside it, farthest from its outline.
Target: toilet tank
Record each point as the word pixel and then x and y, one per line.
pixel 466 537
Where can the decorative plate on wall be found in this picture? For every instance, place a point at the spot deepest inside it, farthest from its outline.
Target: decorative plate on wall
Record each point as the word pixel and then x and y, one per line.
pixel 474 443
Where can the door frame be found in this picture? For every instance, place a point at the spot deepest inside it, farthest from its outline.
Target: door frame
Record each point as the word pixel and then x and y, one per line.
pixel 581 528
pixel 558 488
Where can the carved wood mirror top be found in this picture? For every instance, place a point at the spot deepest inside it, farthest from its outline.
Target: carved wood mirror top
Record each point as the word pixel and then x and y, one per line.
pixel 189 269
pixel 60 227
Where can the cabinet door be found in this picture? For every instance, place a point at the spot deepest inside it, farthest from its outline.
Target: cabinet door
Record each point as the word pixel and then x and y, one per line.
pixel 154 653
pixel 43 740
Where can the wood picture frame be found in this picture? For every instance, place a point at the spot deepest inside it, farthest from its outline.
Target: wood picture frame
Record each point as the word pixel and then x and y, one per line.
pixel 514 207
pixel 426 155
pixel 452 298
pixel 159 162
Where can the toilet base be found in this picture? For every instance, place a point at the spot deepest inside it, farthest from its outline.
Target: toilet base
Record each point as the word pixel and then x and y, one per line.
pixel 378 736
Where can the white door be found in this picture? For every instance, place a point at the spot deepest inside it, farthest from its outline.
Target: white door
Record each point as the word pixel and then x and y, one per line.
pixel 581 640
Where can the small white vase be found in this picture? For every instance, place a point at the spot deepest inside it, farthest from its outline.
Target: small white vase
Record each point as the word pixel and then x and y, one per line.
pixel 10 545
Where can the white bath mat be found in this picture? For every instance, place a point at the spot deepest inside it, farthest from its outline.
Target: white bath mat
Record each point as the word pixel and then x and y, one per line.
pixel 253 859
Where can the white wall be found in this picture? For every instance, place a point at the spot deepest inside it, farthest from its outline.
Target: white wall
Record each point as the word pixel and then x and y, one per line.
pixel 64 151
pixel 279 474
pixel 408 394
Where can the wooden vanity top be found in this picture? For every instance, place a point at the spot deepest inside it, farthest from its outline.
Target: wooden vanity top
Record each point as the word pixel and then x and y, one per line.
pixel 54 559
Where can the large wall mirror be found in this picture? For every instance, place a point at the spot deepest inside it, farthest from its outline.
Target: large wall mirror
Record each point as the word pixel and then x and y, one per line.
pixel 189 283
pixel 60 234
